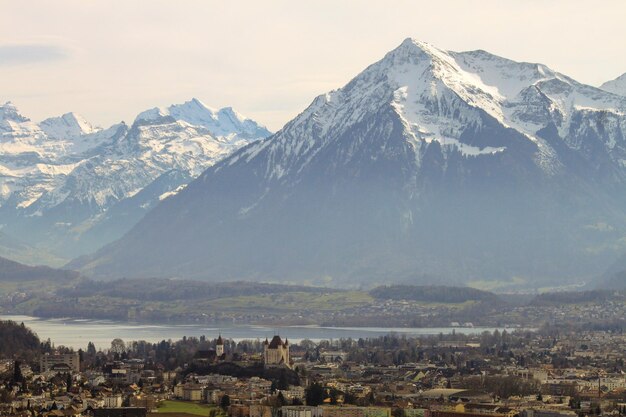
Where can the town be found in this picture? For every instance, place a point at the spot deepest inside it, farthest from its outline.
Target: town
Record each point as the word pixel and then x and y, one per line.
pixel 549 372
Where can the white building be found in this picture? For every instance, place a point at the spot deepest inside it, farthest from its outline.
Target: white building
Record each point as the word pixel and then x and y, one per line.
pixel 113 401
pixel 67 362
pixel 301 411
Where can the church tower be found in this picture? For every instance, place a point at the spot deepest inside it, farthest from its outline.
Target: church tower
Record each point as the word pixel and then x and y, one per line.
pixel 219 347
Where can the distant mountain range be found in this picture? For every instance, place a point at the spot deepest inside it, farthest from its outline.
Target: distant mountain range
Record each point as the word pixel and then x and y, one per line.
pixel 11 271
pixel 430 166
pixel 67 187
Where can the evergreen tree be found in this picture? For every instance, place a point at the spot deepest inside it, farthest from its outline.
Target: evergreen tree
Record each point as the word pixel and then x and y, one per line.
pixel 282 384
pixel 280 399
pixel 314 394
pixel 17 372
pixel 225 402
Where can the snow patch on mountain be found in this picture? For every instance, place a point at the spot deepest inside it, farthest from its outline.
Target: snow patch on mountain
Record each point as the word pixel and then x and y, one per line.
pixel 172 193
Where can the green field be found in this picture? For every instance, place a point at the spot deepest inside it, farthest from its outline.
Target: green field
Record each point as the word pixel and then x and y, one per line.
pixel 293 301
pixel 188 407
pixel 493 285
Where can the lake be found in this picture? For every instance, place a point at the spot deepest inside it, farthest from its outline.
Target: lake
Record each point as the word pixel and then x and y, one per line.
pixel 77 333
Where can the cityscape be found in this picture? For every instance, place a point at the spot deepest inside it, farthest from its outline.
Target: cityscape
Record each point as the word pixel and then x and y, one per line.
pixel 548 372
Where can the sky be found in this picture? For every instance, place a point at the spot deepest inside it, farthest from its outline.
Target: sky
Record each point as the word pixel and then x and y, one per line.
pixel 109 60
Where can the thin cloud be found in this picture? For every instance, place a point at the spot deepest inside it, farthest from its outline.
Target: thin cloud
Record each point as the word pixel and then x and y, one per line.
pixel 23 54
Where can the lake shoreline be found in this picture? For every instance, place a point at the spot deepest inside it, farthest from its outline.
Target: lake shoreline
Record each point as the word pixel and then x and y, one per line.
pixel 77 333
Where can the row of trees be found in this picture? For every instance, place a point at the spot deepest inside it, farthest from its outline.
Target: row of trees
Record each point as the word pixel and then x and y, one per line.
pixel 502 386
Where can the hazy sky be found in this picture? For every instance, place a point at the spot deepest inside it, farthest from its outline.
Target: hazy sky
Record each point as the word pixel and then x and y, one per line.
pixel 109 60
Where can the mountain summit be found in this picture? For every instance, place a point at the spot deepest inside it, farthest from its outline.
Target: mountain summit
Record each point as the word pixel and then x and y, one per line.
pixel 70 125
pixel 225 122
pixel 429 165
pixel 616 86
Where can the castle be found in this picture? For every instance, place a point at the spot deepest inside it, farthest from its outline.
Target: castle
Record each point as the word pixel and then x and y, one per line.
pixel 276 352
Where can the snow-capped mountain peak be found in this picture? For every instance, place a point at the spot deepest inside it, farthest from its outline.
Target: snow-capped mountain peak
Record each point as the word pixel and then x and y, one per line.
pixel 431 82
pixel 151 115
pixel 193 111
pixel 223 123
pixel 438 95
pixel 616 86
pixel 418 48
pixel 8 112
pixel 67 126
pixel 18 134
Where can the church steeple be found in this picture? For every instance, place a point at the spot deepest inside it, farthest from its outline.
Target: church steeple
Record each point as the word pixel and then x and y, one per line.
pixel 219 346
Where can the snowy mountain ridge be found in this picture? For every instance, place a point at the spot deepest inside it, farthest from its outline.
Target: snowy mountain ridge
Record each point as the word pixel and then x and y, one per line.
pixel 437 94
pixel 225 122
pixel 60 178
